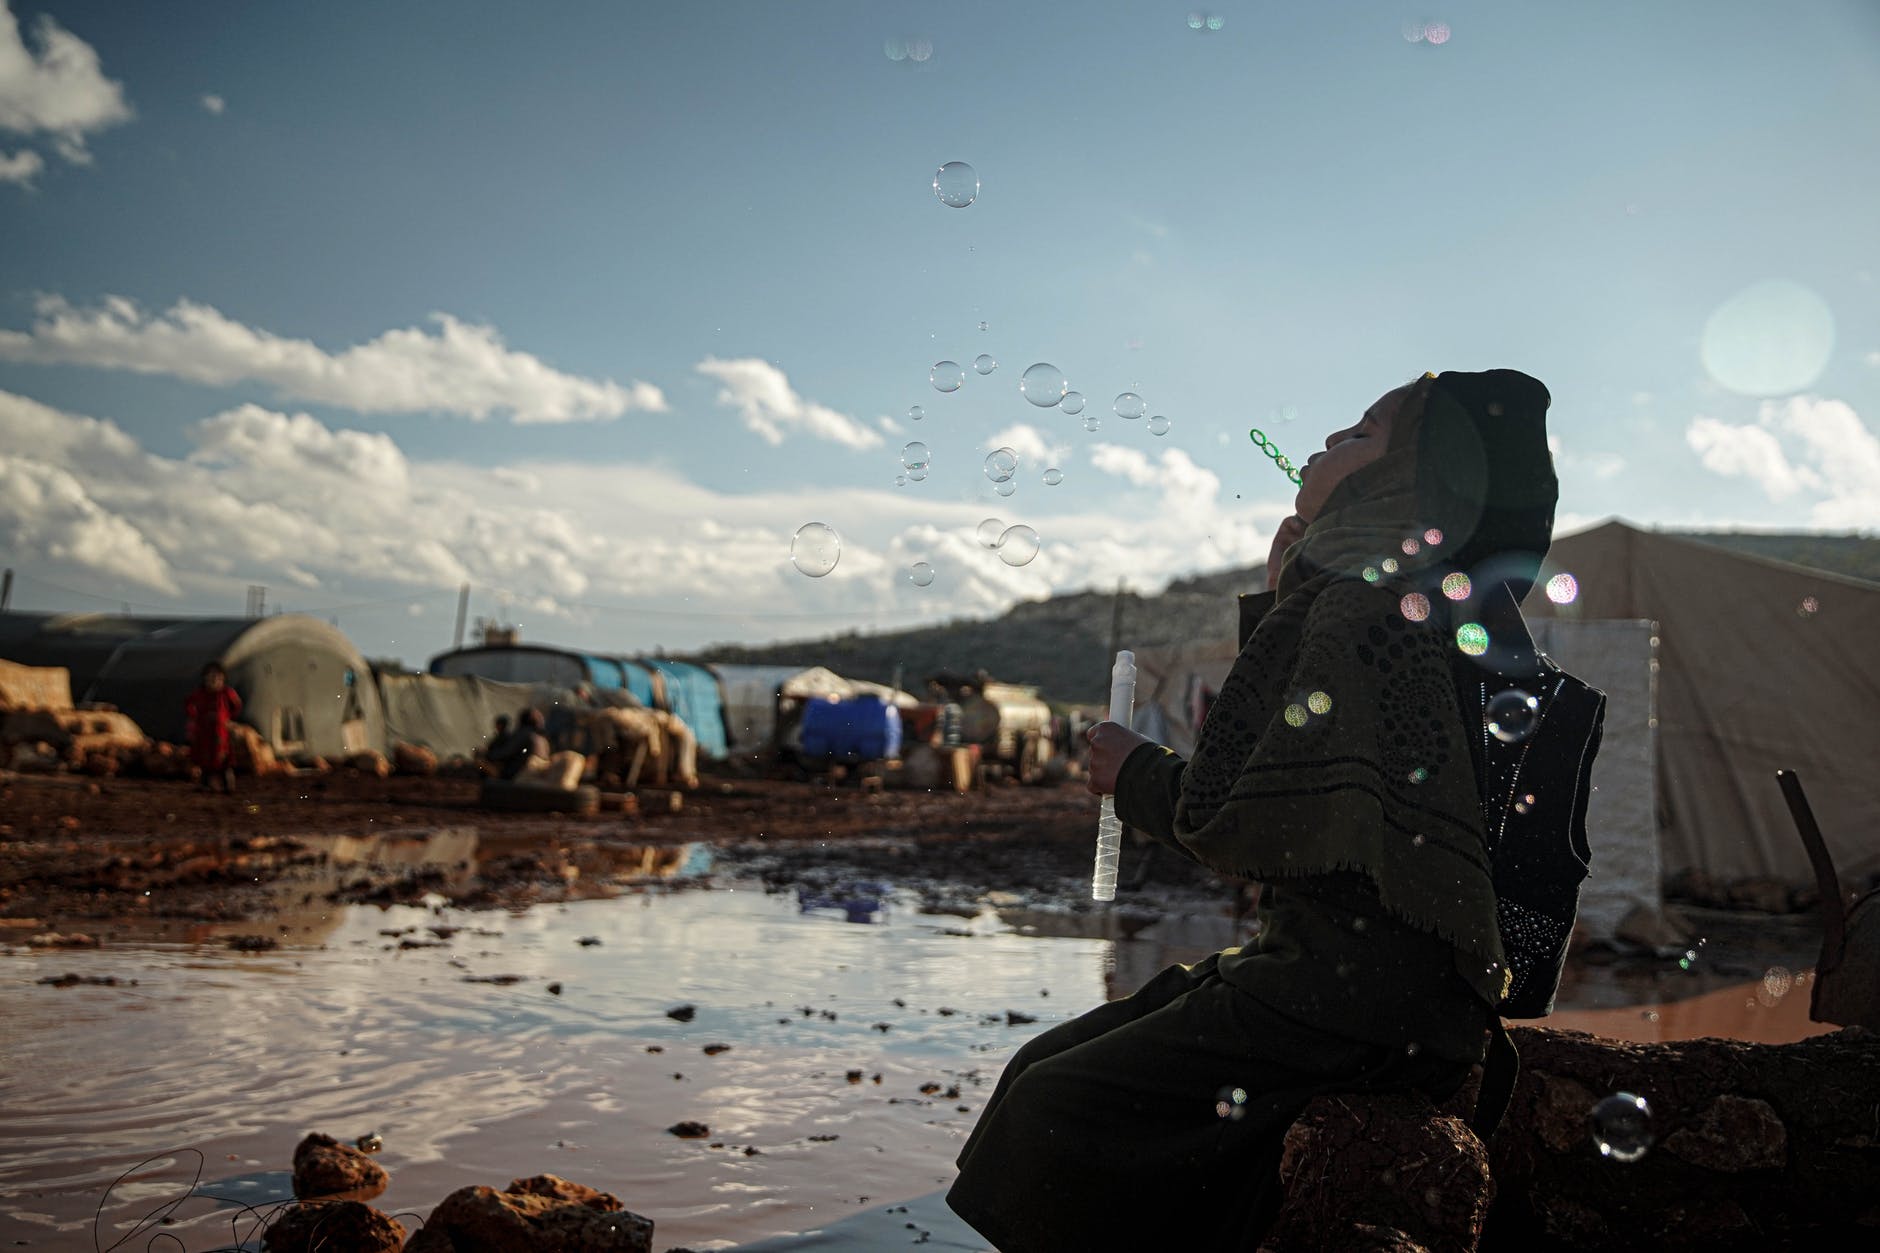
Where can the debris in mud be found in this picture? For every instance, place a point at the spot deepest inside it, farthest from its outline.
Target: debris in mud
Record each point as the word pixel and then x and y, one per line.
pixel 656 1048
pixel 69 980
pixel 1013 1018
pixel 752 1150
pixel 928 1089
pixel 370 1142
pixel 52 939
pixel 682 1013
pixel 823 1139
pixel 884 1027
pixel 323 1167
pixel 554 989
pixel 499 980
pixel 689 1130
pixel 946 1011
pixel 252 943
pixel 855 1076
pixel 321 1225
pixel 588 941
pixel 407 944
pixel 713 1050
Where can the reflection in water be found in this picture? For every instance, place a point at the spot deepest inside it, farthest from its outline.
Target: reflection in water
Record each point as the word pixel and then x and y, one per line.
pixel 239 1055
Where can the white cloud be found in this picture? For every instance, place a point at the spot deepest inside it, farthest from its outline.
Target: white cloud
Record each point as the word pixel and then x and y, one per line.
pixel 771 408
pixel 1801 444
pixel 462 369
pixel 213 104
pixel 45 509
pixel 1035 452
pixel 21 167
pixel 58 90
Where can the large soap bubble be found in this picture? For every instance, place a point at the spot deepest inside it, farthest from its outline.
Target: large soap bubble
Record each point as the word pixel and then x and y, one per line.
pixel 1018 545
pixel 1770 339
pixel 815 549
pixel 956 184
pixel 1001 464
pixel 1043 384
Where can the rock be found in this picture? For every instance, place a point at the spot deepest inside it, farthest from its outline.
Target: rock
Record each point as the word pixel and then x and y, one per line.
pixel 588 941
pixel 682 1013
pixel 689 1130
pixel 325 1167
pixel 326 1225
pixel 556 1188
pixel 713 1050
pixel 554 989
pixel 1014 1018
pixel 487 1221
pixel 1733 1133
pixel 411 759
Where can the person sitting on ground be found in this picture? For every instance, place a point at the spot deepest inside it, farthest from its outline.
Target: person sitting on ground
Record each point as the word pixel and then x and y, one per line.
pixel 485 756
pixel 511 756
pixel 208 712
pixel 1339 766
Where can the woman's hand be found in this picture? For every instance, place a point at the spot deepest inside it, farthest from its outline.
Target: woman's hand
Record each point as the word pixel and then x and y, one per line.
pixel 1289 533
pixel 1111 743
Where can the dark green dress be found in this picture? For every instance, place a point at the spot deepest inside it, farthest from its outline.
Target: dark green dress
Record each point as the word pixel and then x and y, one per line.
pixel 1157 1121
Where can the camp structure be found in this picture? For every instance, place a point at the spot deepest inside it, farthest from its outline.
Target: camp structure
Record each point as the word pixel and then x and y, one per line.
pixel 302 683
pixel 690 692
pixel 1719 669
pixel 762 703
pixel 1760 665
pixel 453 716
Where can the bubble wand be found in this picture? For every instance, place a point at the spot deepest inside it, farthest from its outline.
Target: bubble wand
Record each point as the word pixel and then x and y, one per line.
pixel 1109 826
pixel 1271 449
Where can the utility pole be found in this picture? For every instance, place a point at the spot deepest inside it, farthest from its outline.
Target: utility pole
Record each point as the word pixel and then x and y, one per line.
pixel 463 607
pixel 6 589
pixel 257 600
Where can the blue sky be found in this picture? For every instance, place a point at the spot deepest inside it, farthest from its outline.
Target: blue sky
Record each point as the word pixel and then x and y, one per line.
pixel 691 260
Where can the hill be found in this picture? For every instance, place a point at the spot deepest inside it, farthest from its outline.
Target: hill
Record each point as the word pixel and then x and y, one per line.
pixel 1063 644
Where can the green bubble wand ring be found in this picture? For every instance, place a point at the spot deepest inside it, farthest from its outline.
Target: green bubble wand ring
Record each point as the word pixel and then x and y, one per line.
pixel 1271 449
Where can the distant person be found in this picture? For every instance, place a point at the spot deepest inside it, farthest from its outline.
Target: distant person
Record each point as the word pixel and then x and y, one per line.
pixel 1344 763
pixel 511 756
pixel 207 713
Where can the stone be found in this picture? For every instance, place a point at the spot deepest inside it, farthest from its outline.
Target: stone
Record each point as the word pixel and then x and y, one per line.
pixel 324 1167
pixel 324 1225
pixel 689 1129
pixel 1733 1133
pixel 682 1013
pixel 556 1188
pixel 487 1221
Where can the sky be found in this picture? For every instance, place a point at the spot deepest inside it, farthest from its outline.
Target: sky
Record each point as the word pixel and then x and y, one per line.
pixel 592 306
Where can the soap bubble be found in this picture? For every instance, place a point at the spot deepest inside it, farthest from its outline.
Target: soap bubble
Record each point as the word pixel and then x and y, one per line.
pixel 1093 423
pixel 1433 536
pixel 1389 564
pixel 1410 547
pixel 1231 1104
pixel 989 531
pixel 1524 804
pixel 1414 606
pixel 1472 638
pixel 1130 405
pixel 1777 981
pixel 915 413
pixel 1158 425
pixel 1296 715
pixel 1370 574
pixel 815 549
pixel 1053 477
pixel 984 363
pixel 984 327
pixel 895 49
pixel 1622 1127
pixel 946 376
pixel 1043 384
pixel 915 456
pixel 1456 586
pixel 1808 608
pixel 956 184
pixel 920 574
pixel 1419 775
pixel 900 480
pixel 1196 21
pixel 1001 464
pixel 1018 545
pixel 1436 33
pixel 1005 487
pixel 919 49
pixel 1562 589
pixel 1414 31
pixel 1073 403
pixel 1215 21
pixel 1319 703
pixel 1770 339
pixel 1512 715
pixel 918 474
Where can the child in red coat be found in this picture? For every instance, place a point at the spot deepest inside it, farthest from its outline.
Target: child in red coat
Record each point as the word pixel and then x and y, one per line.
pixel 210 709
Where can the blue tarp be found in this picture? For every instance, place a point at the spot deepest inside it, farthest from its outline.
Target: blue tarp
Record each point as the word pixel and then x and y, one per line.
pixel 862 728
pixel 692 692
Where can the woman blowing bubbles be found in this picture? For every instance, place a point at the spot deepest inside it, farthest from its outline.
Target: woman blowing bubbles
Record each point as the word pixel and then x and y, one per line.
pixel 1339 767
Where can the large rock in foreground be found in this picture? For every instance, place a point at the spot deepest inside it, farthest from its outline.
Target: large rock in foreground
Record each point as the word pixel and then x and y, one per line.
pixel 322 1225
pixel 543 1214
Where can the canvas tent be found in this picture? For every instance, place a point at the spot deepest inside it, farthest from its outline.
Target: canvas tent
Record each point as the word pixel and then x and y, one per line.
pixel 1761 665
pixel 692 692
pixel 303 685
pixel 454 716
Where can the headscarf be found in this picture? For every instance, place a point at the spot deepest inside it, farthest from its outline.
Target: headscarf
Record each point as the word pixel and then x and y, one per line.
pixel 1338 741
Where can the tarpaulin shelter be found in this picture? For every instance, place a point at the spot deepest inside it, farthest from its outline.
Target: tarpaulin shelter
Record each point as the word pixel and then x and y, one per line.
pixel 692 692
pixel 303 685
pixel 452 716
pixel 760 700
pixel 1761 665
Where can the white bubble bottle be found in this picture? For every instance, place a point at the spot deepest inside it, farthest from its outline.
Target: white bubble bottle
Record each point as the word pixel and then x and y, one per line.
pixel 1109 826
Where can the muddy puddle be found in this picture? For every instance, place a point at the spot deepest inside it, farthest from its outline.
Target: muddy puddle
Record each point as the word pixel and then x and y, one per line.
pixel 866 1023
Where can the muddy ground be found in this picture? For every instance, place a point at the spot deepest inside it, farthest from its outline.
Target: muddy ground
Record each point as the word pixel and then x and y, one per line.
pixel 80 855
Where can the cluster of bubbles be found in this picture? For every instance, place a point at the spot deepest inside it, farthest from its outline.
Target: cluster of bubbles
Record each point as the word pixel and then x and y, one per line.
pixel 1690 958
pixel 1206 21
pixel 1777 982
pixel 956 184
pixel 1524 803
pixel 916 48
pixel 1016 545
pixel 1271 449
pixel 1314 705
pixel 1621 1125
pixel 1511 715
pixel 1231 1104
pixel 1426 32
pixel 815 549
